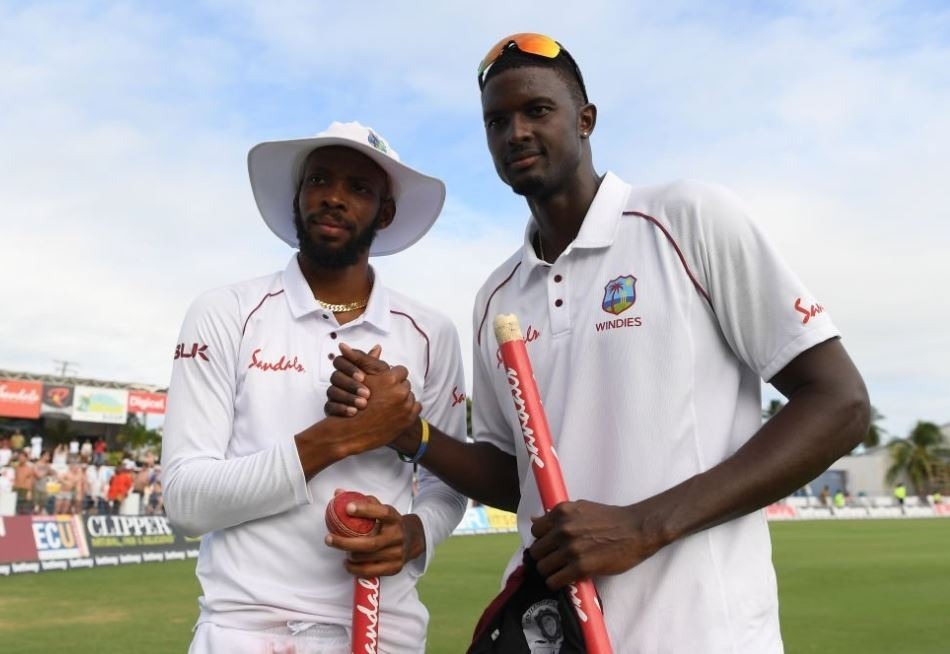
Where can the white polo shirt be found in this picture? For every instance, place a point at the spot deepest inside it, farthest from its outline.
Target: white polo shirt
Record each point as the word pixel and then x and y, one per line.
pixel 251 369
pixel 648 337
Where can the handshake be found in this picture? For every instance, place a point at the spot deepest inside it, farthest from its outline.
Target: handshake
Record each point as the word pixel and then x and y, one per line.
pixel 378 400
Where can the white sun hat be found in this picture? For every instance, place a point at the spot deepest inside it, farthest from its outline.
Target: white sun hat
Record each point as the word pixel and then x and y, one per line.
pixel 275 168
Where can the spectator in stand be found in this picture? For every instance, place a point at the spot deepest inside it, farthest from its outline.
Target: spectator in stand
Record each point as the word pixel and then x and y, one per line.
pixel 5 452
pixel 41 470
pixel 52 485
pixel 94 500
pixel 143 476
pixel 17 441
pixel 70 489
pixel 23 484
pixel 60 456
pixel 85 451
pixel 824 496
pixel 99 452
pixel 36 446
pixel 120 485
pixel 6 481
pixel 155 504
pixel 81 490
pixel 141 480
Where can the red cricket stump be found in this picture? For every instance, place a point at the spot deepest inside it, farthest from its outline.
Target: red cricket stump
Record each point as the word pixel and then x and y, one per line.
pixel 365 616
pixel 545 465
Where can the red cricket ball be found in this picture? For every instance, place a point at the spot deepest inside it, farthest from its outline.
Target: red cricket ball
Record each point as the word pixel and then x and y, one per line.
pixel 340 523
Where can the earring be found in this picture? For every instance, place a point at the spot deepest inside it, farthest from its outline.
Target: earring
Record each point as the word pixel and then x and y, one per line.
pixel 583 135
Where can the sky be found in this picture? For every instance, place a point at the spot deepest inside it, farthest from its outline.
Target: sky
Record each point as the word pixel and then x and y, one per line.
pixel 124 130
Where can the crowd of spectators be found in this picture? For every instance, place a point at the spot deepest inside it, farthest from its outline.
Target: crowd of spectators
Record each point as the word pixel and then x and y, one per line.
pixel 78 477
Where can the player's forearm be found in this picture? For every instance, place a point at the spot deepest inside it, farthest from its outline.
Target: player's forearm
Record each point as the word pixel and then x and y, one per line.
pixel 204 494
pixel 439 507
pixel 325 443
pixel 415 536
pixel 478 470
pixel 822 421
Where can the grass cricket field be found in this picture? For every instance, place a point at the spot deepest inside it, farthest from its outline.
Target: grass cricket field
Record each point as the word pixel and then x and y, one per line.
pixel 845 587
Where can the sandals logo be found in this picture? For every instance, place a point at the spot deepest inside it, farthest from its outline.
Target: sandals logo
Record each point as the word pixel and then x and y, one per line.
pixel 279 365
pixel 807 312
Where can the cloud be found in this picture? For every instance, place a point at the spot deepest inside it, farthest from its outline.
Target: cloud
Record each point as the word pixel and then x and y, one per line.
pixel 125 191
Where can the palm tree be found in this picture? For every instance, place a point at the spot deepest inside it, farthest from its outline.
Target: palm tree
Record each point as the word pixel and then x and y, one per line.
pixel 615 290
pixel 873 437
pixel 134 434
pixel 774 407
pixel 914 457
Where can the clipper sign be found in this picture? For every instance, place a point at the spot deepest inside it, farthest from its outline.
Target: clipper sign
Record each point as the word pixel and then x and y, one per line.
pixel 113 534
pixel 31 544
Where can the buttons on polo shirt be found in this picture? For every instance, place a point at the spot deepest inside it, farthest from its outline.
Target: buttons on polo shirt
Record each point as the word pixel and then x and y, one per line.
pixel 559 299
pixel 326 316
pixel 331 356
pixel 333 335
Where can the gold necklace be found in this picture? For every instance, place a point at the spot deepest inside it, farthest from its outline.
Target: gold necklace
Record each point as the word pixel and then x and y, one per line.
pixel 342 308
pixel 541 248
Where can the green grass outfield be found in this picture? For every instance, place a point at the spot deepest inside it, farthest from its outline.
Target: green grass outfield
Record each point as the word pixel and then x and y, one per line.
pixel 845 587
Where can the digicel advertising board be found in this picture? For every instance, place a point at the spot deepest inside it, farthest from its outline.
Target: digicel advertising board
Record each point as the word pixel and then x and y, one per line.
pixel 142 402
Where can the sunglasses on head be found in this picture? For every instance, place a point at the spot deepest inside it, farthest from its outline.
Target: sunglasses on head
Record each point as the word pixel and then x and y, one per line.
pixel 529 43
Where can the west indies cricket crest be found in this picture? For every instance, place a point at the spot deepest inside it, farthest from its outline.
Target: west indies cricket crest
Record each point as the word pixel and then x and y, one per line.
pixel 619 294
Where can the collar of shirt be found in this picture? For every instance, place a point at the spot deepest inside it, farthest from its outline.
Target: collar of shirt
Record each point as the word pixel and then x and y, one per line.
pixel 597 231
pixel 301 301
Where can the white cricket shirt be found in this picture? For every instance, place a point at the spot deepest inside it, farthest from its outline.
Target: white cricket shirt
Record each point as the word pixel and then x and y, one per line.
pixel 648 337
pixel 251 369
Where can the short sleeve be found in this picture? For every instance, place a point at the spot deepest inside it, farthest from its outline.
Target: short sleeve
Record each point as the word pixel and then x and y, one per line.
pixel 765 312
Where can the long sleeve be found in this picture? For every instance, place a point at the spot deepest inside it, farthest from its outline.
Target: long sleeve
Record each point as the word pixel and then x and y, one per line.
pixel 443 404
pixel 206 488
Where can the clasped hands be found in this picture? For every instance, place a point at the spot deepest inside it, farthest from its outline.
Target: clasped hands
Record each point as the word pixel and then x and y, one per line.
pixel 392 411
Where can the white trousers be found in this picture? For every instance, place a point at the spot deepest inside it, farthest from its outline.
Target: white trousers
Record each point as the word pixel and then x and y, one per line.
pixel 291 639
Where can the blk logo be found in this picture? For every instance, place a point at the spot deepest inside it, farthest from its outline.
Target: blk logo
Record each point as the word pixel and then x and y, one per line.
pixel 193 351
pixel 457 397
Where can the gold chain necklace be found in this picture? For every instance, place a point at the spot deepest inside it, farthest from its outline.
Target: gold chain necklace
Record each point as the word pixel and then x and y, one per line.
pixel 541 248
pixel 342 308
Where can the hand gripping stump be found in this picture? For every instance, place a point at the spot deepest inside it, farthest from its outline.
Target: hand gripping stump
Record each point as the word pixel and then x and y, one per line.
pixel 545 465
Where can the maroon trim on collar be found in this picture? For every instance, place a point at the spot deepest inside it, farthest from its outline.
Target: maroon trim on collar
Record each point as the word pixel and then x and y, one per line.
pixel 478 335
pixel 679 253
pixel 259 305
pixel 418 329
